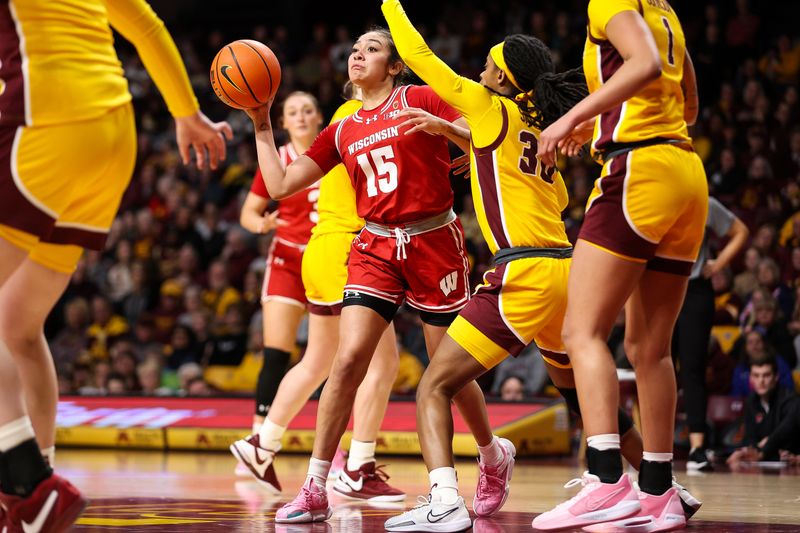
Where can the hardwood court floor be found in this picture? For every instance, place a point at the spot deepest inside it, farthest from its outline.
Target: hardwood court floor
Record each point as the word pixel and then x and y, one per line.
pixel 172 492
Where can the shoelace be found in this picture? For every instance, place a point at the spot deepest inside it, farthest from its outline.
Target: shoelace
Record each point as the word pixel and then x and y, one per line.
pixel 485 481
pixel 379 475
pixel 422 501
pixel 572 483
pixel 401 238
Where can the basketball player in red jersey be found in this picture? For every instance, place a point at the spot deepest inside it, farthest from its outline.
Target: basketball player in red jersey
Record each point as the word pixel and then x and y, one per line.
pixel 411 249
pixel 283 296
pixel 68 139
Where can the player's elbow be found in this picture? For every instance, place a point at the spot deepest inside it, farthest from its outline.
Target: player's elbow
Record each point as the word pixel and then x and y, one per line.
pixel 652 68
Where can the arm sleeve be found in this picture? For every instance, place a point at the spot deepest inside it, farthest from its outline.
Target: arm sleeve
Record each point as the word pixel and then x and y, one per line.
pixel 602 11
pixel 139 24
pixel 259 188
pixel 720 219
pixel 324 151
pixel 473 101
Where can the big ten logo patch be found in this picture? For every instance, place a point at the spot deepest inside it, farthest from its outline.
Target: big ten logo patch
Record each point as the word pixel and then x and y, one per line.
pixel 391 115
pixel 449 283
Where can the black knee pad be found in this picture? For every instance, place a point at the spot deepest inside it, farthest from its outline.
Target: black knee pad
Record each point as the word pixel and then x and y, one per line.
pixel 273 368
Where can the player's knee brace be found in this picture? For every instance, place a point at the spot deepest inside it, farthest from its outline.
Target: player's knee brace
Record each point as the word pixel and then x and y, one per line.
pixel 274 367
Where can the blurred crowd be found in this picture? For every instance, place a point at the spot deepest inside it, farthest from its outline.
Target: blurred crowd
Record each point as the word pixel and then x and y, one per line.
pixel 172 306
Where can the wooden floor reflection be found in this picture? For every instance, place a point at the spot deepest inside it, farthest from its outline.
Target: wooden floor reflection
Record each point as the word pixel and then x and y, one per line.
pixel 171 492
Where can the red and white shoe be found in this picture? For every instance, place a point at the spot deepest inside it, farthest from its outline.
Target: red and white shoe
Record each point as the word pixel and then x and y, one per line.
pixel 367 483
pixel 52 508
pixel 258 461
pixel 596 502
pixel 493 482
pixel 658 513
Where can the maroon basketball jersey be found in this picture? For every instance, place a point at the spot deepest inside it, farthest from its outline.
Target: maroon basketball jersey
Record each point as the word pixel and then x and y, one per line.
pixel 299 211
pixel 398 178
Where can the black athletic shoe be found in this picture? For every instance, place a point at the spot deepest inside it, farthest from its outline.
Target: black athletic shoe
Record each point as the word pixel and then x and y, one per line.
pixel 698 461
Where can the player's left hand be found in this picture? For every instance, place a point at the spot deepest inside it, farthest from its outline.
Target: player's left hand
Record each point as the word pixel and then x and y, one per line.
pixel 206 137
pixel 421 120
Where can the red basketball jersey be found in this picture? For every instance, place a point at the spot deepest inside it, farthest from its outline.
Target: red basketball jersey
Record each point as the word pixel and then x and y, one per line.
pixel 299 211
pixel 398 178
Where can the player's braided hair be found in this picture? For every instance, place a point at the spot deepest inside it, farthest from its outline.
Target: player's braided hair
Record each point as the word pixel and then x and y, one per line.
pixel 394 56
pixel 548 95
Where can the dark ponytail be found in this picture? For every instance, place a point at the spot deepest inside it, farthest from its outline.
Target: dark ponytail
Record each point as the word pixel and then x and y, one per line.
pixel 547 95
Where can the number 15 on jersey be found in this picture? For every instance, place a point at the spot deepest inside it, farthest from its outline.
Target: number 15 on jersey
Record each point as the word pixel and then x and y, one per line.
pixel 378 164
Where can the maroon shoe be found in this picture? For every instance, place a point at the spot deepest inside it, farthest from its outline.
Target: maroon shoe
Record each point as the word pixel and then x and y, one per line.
pixel 258 461
pixel 52 508
pixel 367 483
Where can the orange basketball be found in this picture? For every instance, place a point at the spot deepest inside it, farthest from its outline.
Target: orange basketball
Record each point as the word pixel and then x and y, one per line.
pixel 245 74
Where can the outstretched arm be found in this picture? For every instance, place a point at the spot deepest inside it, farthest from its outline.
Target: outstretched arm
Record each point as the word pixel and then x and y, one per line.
pixel 139 24
pixel 281 182
pixel 466 96
pixel 631 37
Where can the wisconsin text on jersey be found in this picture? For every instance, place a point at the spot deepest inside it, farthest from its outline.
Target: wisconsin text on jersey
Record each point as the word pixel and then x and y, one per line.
pixel 388 133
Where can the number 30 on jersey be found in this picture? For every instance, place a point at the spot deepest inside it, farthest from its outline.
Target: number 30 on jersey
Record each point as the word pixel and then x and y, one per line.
pixel 377 164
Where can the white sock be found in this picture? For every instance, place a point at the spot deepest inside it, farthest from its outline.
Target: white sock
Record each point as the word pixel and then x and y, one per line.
pixel 360 454
pixel 270 435
pixel 491 454
pixel 49 455
pixel 15 433
pixel 606 441
pixel 444 485
pixel 318 471
pixel 256 428
pixel 655 457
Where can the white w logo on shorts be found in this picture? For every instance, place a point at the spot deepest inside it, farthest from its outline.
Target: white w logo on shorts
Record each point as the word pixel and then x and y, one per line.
pixel 449 283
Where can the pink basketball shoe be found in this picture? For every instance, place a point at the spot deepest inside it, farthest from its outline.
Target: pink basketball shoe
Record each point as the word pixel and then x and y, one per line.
pixel 658 513
pixel 311 505
pixel 596 502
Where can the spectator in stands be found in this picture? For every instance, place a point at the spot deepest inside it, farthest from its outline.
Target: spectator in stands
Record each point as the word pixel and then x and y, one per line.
pixel 220 295
pixel 120 279
pixel 745 282
pixel 182 348
pixel 116 385
pixel 769 277
pixel 139 298
pixel 726 304
pixel 773 330
pixel 229 344
pixel 105 327
pixel 771 416
pixel 693 328
pixel 528 367
pixel 754 348
pixel 72 340
pixel 512 389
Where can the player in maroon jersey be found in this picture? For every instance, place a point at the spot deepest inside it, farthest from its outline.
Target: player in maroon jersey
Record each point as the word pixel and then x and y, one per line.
pixel 411 249
pixel 283 296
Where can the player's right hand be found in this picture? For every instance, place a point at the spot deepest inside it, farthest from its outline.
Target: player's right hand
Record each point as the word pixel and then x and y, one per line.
pixel 198 132
pixel 270 221
pixel 260 116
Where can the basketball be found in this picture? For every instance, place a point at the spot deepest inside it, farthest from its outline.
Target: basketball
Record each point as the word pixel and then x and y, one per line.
pixel 245 74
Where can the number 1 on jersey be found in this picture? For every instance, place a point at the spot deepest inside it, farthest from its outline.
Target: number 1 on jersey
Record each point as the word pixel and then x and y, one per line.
pixel 384 168
pixel 671 43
